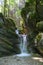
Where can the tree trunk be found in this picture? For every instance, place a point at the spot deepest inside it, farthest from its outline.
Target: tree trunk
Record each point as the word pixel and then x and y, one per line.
pixel 5 5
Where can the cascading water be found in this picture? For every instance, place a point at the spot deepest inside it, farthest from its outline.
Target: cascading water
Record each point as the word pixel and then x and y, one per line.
pixel 23 44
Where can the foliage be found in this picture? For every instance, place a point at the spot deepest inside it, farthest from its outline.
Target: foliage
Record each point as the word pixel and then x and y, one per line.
pixel 38 37
pixel 40 26
pixel 29 15
pixel 32 15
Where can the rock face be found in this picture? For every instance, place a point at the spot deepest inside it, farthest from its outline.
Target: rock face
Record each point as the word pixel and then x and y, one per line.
pixel 9 40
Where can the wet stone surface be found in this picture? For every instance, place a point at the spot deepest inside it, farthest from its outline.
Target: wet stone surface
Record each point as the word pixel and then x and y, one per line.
pixel 14 60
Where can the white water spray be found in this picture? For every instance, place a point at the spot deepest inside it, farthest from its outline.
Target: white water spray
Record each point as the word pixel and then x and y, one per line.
pixel 23 44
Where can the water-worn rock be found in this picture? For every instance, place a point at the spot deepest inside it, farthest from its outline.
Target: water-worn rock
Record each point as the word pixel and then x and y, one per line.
pixel 14 60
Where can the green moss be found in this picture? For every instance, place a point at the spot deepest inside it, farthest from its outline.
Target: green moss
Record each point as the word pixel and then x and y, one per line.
pixel 9 39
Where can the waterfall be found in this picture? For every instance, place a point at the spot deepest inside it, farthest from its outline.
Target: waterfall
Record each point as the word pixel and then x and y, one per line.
pixel 23 45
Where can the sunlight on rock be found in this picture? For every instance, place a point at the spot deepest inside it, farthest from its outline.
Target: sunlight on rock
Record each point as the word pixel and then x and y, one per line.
pixel 41 60
pixel 38 58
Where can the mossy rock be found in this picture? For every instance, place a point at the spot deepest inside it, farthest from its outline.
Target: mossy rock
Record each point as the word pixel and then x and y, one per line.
pixel 9 40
